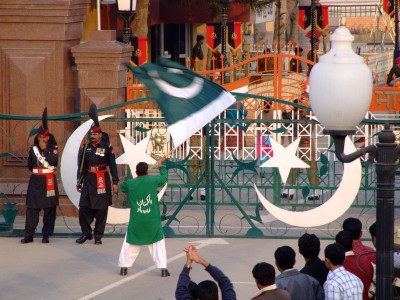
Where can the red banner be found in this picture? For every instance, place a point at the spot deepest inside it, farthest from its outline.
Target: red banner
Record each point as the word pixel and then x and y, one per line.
pixel 304 20
pixel 139 54
pixel 234 35
pixel 213 35
pixel 322 17
pixel 388 7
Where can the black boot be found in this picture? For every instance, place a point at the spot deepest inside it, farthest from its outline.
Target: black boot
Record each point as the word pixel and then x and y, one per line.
pixel 84 238
pixel 45 239
pixel 165 273
pixel 123 272
pixel 27 240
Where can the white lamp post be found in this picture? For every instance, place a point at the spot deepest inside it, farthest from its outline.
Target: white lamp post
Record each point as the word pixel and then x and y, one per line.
pixel 127 10
pixel 340 95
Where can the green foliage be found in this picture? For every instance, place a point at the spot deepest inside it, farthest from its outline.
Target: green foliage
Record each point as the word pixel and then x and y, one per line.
pixel 324 159
pixel 323 170
pixel 305 191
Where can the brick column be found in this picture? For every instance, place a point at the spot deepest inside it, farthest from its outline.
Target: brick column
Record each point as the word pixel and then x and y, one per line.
pixel 35 72
pixel 102 73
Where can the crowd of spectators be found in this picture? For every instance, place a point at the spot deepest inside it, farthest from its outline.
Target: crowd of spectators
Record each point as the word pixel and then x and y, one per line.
pixel 347 271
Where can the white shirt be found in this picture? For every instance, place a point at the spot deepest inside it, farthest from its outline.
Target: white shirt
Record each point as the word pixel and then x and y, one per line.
pixel 343 285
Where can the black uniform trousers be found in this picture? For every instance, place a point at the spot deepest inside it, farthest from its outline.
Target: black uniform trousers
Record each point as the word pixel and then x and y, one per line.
pixel 32 220
pixel 86 218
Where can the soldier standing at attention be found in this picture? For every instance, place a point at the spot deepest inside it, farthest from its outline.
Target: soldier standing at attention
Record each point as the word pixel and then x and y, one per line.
pixel 42 190
pixel 197 54
pixel 94 181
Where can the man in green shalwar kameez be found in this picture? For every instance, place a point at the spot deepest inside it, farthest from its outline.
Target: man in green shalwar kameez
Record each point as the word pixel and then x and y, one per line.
pixel 145 221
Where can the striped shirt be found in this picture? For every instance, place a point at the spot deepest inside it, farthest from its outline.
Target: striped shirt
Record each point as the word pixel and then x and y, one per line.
pixel 343 285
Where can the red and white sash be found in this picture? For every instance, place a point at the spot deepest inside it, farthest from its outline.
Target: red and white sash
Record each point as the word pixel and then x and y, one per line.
pixel 100 171
pixel 46 170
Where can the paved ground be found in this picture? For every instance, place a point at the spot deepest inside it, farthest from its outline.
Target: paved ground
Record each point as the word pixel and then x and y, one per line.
pixel 66 270
pixel 63 269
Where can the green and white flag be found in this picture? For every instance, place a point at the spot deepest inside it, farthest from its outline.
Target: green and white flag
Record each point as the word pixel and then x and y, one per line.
pixel 189 101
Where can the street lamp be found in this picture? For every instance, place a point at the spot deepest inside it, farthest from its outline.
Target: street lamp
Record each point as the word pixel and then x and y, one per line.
pixel 314 5
pixel 340 103
pixel 127 10
pixel 224 22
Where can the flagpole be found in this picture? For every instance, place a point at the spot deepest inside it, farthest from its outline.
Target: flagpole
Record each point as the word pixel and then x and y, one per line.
pixel 313 28
pixel 98 15
pixel 224 21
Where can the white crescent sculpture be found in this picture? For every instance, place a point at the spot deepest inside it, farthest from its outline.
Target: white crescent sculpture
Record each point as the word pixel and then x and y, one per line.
pixel 69 171
pixel 333 208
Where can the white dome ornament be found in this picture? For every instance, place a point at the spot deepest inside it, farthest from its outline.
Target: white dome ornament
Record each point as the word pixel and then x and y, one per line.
pixel 340 85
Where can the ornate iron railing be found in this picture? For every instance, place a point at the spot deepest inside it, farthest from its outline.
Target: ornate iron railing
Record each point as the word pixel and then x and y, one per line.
pixel 225 158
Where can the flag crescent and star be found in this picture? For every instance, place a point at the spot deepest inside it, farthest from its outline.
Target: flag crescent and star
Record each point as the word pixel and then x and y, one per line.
pixel 187 100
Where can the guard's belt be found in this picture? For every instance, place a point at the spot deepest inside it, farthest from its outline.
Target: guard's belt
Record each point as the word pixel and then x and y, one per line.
pixel 97 168
pixel 41 171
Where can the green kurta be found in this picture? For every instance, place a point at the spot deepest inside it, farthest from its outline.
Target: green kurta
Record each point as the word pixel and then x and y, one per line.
pixel 145 221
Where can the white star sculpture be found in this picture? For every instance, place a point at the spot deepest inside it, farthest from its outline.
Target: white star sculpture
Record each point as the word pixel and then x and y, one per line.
pixel 135 154
pixel 284 158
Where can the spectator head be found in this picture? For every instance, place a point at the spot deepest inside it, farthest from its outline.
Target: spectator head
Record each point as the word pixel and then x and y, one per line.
pixel 372 231
pixel 206 290
pixel 141 169
pixel 285 258
pixel 199 38
pixel 354 226
pixel 298 50
pixel 192 288
pixel 345 239
pixel 309 246
pixel 334 255
pixel 264 274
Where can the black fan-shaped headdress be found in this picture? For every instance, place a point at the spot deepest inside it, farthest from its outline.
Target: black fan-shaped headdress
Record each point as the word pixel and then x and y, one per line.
pixel 93 115
pixel 44 129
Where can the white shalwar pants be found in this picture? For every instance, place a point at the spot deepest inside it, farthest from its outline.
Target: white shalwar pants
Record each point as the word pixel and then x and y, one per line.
pixel 130 252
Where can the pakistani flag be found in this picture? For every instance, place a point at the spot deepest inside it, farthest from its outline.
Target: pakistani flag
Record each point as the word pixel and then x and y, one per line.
pixel 188 100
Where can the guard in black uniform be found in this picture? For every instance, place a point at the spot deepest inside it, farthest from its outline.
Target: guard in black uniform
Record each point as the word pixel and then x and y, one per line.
pixel 42 188
pixel 94 181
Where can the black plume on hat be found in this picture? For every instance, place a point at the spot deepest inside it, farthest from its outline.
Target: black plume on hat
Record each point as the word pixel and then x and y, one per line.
pixel 43 129
pixel 93 115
